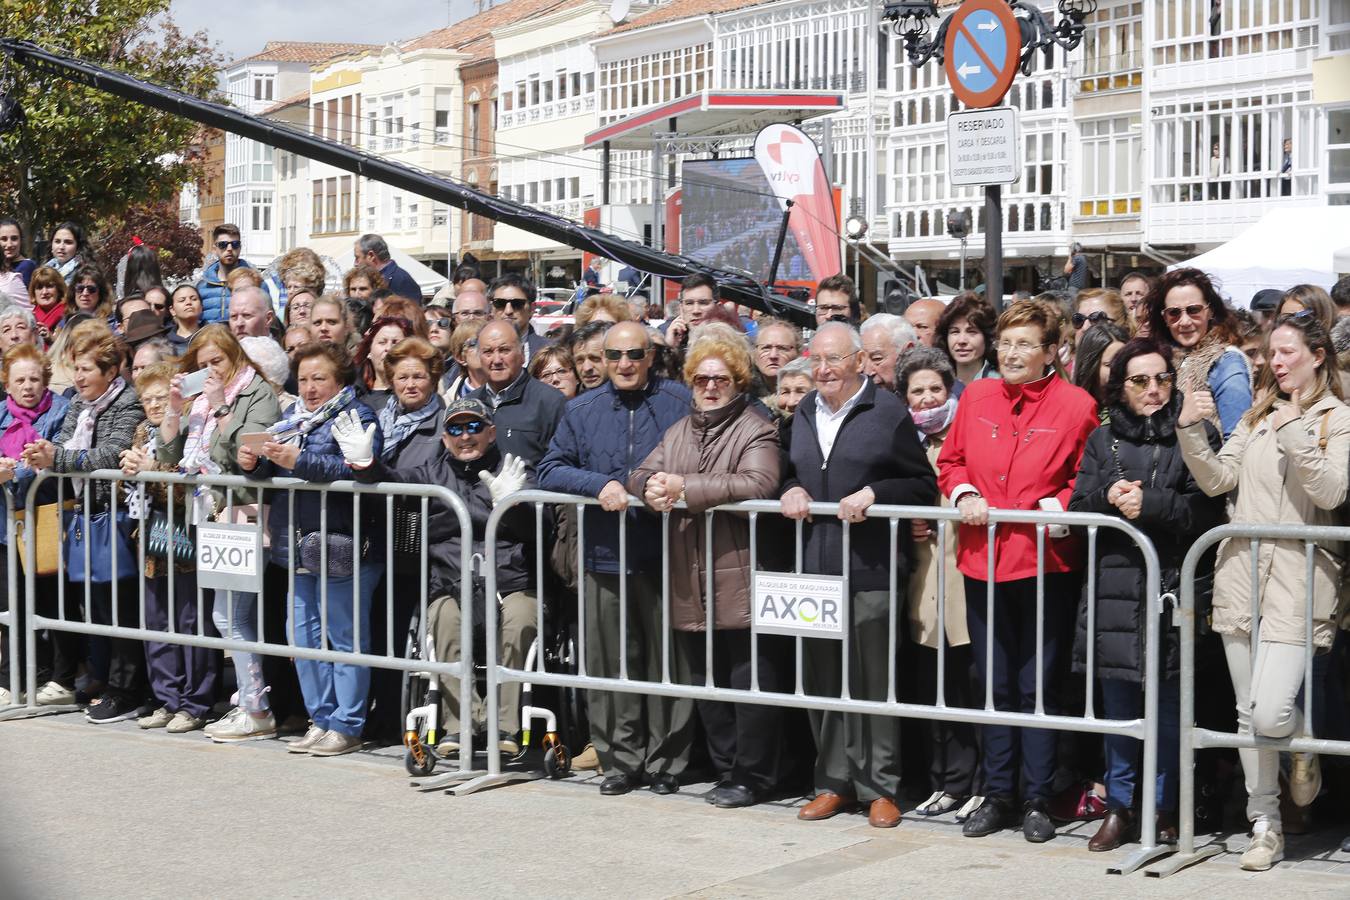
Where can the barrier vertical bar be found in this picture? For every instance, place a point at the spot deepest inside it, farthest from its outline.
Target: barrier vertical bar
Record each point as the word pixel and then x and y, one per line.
pixel 708 565
pixel 14 609
pixel 848 625
pixel 144 506
pixel 1311 550
pixel 754 630
pixel 892 599
pixel 390 550
pixel 798 639
pixel 323 570
pixel 665 597
pixel 169 593
pixel 1091 647
pixel 623 594
pixel 940 563
pixel 539 583
pixel 989 627
pixel 356 572
pixel 1040 620
pixel 581 589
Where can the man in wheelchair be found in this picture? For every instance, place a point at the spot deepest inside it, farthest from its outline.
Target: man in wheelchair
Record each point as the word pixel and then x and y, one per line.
pixel 473 468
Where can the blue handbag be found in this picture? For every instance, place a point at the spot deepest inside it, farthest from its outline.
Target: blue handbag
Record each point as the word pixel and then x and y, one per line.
pixel 107 540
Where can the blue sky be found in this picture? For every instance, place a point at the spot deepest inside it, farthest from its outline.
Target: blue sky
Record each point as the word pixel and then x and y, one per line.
pixel 241 28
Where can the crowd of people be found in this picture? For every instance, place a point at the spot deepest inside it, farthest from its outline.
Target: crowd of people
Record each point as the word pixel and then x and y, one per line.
pixel 1157 403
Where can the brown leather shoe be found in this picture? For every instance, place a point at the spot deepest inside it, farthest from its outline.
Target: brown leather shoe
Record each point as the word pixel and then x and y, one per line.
pixel 826 805
pixel 884 813
pixel 1117 828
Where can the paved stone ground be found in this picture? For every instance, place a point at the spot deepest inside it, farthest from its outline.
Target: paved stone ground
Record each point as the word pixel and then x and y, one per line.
pixel 112 812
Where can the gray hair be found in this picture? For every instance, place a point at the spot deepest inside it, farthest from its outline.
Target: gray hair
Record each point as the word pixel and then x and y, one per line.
pixel 854 338
pixel 14 311
pixel 160 345
pixel 768 322
pixel 715 330
pixel 802 366
pixel 900 332
pixel 248 291
pixel 373 243
pixel 267 357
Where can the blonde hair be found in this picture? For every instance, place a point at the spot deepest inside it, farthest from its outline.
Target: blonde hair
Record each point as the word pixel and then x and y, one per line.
pixel 26 353
pixel 159 373
pixel 610 303
pixel 733 353
pixel 94 338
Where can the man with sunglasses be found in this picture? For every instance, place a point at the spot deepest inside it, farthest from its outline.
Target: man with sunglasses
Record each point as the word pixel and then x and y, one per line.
pixel 213 287
pixel 512 298
pixel 525 410
pixel 604 435
pixel 474 468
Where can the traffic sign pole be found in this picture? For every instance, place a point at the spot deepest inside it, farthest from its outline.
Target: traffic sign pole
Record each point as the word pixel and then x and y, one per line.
pixel 982 51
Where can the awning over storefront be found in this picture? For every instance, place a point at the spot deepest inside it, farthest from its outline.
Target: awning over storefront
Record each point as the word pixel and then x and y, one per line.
pixel 710 113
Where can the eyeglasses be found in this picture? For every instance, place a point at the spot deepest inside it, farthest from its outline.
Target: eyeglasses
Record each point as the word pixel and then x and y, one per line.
pixel 86 289
pixel 1141 382
pixel 553 373
pixel 443 324
pixel 231 245
pixel 832 310
pixel 1173 313
pixel 473 426
pixel 633 353
pixel 719 381
pixel 1096 318
pixel 1021 348
pixel 481 313
pixel 513 302
pixel 154 399
pixel 834 361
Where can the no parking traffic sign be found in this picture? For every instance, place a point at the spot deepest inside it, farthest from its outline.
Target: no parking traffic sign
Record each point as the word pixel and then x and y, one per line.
pixel 984 42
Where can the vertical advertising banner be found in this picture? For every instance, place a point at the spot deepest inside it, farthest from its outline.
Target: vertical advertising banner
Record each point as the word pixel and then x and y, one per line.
pixel 792 165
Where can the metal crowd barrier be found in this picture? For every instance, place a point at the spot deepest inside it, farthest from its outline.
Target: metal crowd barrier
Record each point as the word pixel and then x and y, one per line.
pixel 1194 738
pixel 1143 729
pixel 180 490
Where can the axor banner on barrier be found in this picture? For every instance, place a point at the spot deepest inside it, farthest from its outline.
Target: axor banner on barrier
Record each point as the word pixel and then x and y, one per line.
pixel 800 605
pixel 230 557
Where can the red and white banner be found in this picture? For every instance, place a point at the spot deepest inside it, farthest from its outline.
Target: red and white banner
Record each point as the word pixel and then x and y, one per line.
pixel 792 165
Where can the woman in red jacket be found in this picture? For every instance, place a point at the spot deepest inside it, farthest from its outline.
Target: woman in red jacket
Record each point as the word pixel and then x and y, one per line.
pixel 1015 444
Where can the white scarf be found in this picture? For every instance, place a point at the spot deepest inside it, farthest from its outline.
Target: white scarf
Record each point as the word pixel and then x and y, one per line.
pixel 83 436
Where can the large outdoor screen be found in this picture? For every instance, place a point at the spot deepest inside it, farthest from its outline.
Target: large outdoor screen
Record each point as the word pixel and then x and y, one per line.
pixel 730 219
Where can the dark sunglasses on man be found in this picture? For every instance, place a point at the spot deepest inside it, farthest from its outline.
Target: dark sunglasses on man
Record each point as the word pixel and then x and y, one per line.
pixel 231 245
pixel 633 353
pixel 473 426
pixel 500 303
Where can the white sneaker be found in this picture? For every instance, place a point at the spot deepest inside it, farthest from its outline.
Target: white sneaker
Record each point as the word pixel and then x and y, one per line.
pixel 222 722
pixel 157 719
pixel 53 694
pixel 1266 847
pixel 241 726
pixel 968 809
pixel 312 736
pixel 183 722
pixel 7 698
pixel 1305 781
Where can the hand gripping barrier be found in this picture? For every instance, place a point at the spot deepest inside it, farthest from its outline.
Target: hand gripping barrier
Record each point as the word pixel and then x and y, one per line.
pixel 74 614
pixel 1144 729
pixel 1195 738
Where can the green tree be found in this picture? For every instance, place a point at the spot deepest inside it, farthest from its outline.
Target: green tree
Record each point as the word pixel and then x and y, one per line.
pixel 85 155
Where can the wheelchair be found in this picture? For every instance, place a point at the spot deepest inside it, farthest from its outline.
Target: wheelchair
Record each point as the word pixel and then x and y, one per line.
pixel 420 704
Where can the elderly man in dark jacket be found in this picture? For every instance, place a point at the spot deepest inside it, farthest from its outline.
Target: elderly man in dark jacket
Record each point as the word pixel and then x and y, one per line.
pixel 474 469
pixel 853 444
pixel 604 435
pixel 525 410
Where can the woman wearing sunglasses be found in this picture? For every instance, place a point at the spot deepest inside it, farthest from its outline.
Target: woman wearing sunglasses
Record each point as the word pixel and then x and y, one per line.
pixel 1288 462
pixel 722 452
pixel 90 293
pixel 1187 314
pixel 1133 468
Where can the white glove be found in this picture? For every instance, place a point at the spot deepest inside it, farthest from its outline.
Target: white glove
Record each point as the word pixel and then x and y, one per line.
pixel 357 443
pixel 509 480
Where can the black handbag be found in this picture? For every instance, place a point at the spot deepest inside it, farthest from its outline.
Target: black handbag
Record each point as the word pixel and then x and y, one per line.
pixel 341 553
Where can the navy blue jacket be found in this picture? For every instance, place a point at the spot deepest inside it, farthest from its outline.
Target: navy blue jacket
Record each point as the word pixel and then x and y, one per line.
pixel 321 461
pixel 604 435
pixel 400 282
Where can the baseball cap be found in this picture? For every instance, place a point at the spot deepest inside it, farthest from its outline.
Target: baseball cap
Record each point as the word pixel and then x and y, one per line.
pixel 1267 300
pixel 468 406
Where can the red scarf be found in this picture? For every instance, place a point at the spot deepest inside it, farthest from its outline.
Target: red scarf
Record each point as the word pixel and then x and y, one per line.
pixel 49 317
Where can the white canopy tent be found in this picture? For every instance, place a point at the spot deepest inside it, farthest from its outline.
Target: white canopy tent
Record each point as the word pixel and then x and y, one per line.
pixel 340 249
pixel 1286 247
pixel 1340 262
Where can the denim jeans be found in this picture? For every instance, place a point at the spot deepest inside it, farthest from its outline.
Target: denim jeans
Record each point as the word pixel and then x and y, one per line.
pixel 1125 700
pixel 335 693
pixel 236 617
